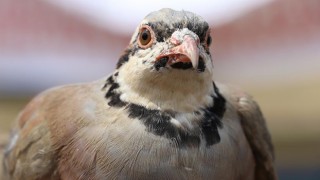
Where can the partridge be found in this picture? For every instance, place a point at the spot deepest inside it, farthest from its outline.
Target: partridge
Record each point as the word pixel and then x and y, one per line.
pixel 159 115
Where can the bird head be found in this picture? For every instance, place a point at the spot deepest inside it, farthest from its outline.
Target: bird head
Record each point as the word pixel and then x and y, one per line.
pixel 168 55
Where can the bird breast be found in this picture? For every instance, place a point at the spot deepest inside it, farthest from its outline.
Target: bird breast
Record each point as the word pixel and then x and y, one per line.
pixel 123 149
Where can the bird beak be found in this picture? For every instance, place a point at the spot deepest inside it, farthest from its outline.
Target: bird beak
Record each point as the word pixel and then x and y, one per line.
pixel 185 51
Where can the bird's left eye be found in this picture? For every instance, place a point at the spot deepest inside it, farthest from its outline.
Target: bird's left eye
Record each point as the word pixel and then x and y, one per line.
pixel 145 37
pixel 209 40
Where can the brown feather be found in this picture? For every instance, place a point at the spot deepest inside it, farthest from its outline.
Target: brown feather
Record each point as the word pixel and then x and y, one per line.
pixel 256 132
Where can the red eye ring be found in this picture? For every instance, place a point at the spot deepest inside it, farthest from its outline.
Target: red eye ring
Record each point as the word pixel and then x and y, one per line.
pixel 146 36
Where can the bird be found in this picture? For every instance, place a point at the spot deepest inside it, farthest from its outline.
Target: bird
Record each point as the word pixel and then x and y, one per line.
pixel 159 115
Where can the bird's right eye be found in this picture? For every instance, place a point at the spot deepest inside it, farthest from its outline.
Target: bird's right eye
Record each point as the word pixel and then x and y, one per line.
pixel 145 37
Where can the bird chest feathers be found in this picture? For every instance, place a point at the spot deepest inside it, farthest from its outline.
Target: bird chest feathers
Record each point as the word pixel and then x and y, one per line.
pixel 159 115
pixel 133 142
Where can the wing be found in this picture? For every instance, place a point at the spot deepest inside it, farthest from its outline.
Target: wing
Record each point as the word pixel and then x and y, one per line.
pixel 255 129
pixel 3 142
pixel 45 128
pixel 29 153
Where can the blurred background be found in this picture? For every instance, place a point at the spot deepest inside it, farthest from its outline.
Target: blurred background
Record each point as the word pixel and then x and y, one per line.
pixel 270 48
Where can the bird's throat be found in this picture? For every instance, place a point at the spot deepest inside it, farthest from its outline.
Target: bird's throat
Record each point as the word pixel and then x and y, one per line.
pixel 174 90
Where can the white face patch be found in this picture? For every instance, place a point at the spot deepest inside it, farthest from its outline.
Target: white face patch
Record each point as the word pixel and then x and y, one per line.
pixel 178 90
pixel 149 55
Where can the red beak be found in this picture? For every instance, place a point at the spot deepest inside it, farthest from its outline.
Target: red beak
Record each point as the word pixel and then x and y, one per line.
pixel 187 51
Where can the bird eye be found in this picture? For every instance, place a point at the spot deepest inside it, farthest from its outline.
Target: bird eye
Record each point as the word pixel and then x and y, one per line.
pixel 145 37
pixel 209 40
